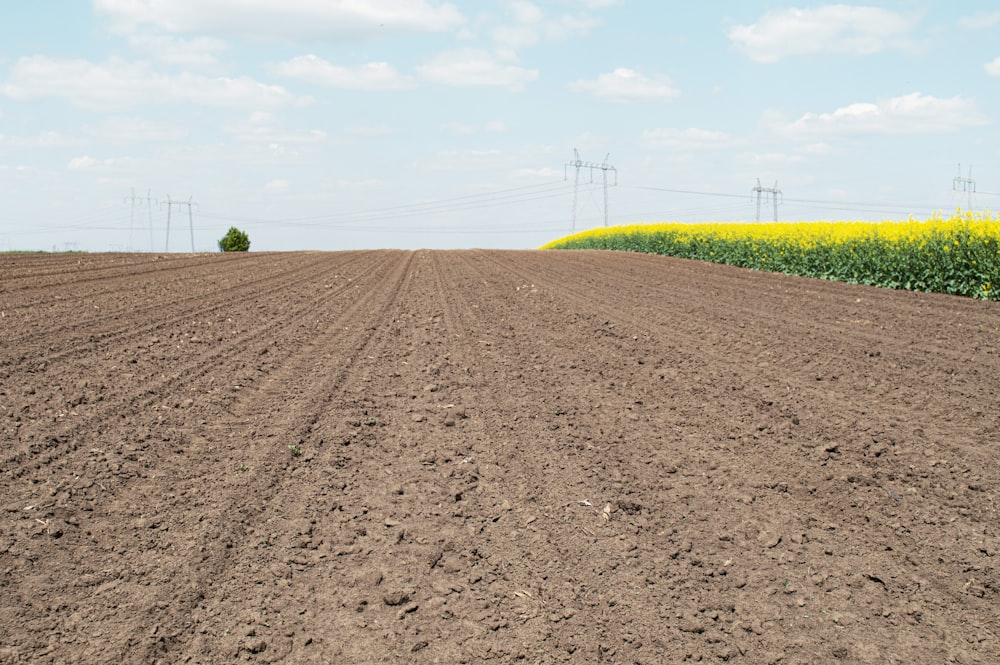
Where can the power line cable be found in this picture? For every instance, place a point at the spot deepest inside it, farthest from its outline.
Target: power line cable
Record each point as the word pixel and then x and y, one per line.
pixel 687 191
pixel 346 220
pixel 419 207
pixel 858 206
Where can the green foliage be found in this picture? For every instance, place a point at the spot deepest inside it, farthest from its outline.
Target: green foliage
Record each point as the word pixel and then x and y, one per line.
pixel 958 256
pixel 234 241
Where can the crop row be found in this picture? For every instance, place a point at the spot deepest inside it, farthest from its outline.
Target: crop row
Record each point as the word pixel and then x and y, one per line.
pixel 959 255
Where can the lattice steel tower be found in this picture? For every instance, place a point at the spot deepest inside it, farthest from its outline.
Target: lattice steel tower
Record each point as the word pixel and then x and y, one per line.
pixel 773 192
pixel 604 167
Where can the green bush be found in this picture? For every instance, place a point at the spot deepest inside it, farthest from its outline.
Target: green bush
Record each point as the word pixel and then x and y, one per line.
pixel 234 241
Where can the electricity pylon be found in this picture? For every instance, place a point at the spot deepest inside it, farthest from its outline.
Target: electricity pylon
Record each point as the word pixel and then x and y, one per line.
pixel 772 192
pixel 149 206
pixel 966 184
pixel 170 204
pixel 604 167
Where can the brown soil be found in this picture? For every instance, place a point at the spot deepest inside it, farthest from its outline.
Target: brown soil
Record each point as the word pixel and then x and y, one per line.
pixel 481 456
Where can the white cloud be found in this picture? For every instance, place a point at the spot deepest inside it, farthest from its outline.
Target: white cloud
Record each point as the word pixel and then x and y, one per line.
pixel 598 4
pixel 258 118
pixel 512 38
pixel 525 12
pixel 285 19
pixel 993 68
pixel 368 131
pixel 125 129
pixel 530 25
pixel 770 159
pixel 86 163
pixel 626 85
pixel 118 84
pixel 980 21
pixel 569 25
pixel 832 28
pixel 588 142
pixel 910 114
pixel 104 170
pixel 369 183
pixel 278 186
pixel 372 76
pixel 472 67
pixel 686 139
pixel 44 140
pixel 460 129
pixel 494 160
pixel 818 149
pixel 265 128
pixel 544 172
pixel 80 163
pixel 198 53
pixel 467 160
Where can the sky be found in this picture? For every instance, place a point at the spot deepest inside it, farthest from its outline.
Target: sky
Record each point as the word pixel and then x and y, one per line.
pixel 156 125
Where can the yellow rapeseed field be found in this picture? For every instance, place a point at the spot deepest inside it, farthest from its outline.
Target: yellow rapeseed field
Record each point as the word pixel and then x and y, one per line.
pixel 958 255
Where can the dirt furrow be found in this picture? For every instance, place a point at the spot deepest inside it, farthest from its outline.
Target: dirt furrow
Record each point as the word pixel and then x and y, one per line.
pixel 836 310
pixel 179 531
pixel 283 450
pixel 356 541
pixel 481 456
pixel 743 448
pixel 196 289
pixel 781 349
pixel 193 344
pixel 58 270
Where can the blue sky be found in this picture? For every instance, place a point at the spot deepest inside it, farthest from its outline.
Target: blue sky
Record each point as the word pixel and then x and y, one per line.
pixel 342 124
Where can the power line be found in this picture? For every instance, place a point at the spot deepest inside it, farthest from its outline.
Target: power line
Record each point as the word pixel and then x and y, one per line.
pixel 707 212
pixel 352 220
pixel 432 205
pixel 456 204
pixel 689 191
pixel 862 206
pixel 112 217
pixel 83 222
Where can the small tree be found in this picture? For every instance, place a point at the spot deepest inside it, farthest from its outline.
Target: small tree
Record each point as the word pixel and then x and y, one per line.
pixel 234 241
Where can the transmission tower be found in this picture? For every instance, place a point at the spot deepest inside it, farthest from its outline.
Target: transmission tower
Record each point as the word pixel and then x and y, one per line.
pixel 148 200
pixel 604 167
pixel 772 192
pixel 968 185
pixel 170 204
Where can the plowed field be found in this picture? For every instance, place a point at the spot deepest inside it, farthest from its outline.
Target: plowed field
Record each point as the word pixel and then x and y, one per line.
pixel 491 457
